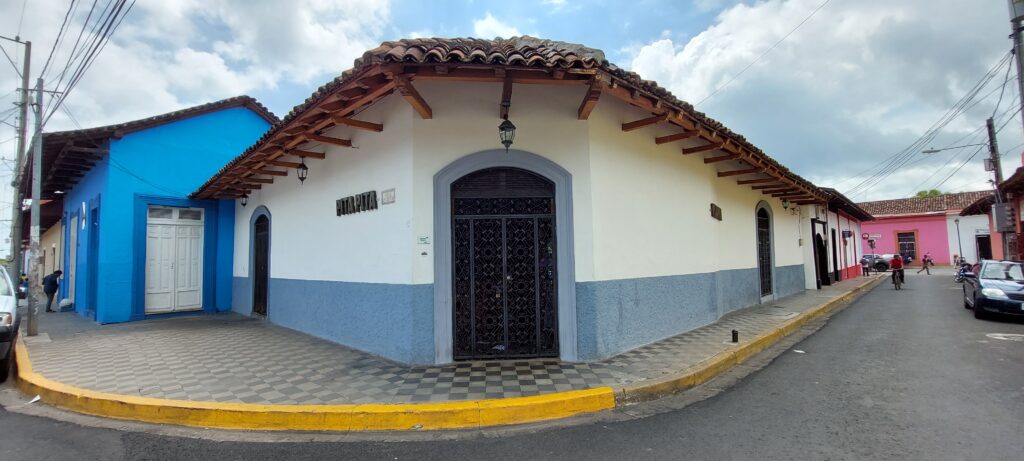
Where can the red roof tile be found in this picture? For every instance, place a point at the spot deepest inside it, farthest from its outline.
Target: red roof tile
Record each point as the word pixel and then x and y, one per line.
pixel 915 205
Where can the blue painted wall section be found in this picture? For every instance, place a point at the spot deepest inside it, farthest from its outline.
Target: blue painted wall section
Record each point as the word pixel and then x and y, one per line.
pixel 159 166
pixel 88 190
pixel 393 321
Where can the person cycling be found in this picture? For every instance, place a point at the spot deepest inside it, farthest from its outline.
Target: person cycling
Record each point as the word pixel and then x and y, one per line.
pixel 896 264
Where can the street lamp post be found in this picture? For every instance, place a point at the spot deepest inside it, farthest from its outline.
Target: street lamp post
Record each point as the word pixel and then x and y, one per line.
pixel 959 243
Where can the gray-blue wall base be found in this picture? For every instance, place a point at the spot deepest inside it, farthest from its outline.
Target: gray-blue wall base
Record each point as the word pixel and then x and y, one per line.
pixel 241 295
pixel 790 280
pixel 393 321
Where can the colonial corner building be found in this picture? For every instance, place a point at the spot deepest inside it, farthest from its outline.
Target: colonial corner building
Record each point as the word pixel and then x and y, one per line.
pixel 389 213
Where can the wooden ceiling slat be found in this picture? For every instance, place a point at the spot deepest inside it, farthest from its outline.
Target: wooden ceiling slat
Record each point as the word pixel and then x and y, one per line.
pixel 768 186
pixel 282 163
pixel 723 174
pixel 722 158
pixel 755 181
pixel 271 172
pixel 360 124
pixel 307 154
pixel 704 148
pixel 676 137
pixel 329 140
pixel 636 125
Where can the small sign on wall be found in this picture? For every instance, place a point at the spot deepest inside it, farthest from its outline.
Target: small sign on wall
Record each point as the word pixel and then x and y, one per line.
pixel 716 212
pixel 387 197
pixel 356 203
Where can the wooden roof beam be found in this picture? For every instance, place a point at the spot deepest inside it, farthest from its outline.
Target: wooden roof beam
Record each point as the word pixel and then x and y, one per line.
pixel 249 179
pixel 270 172
pixel 795 193
pixel 756 181
pixel 306 154
pixel 506 99
pixel 282 163
pixel 329 140
pixel 704 148
pixel 721 158
pixel 636 125
pixel 723 174
pixel 414 98
pixel 676 137
pixel 88 150
pixel 359 124
pixel 590 99
pixel 768 186
pixel 778 190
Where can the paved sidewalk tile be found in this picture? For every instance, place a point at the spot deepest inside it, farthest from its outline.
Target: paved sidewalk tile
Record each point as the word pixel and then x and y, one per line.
pixel 230 358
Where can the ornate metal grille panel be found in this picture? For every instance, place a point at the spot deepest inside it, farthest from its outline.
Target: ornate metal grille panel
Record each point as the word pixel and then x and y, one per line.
pixel 764 251
pixel 503 255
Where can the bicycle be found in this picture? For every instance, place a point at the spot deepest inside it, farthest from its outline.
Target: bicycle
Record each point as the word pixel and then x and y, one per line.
pixel 897 279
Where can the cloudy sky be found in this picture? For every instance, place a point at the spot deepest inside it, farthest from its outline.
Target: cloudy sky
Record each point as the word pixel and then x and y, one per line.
pixel 860 81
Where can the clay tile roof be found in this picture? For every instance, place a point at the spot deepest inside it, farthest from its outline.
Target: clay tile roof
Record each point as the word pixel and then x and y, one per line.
pixel 914 205
pixel 980 206
pixel 524 51
pixel 841 202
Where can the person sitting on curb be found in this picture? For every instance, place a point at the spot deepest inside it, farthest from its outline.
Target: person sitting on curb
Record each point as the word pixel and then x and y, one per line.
pixel 50 284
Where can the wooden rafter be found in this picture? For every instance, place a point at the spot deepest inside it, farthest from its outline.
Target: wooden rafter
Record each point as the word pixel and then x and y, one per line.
pixel 329 140
pixel 722 174
pixel 250 179
pixel 307 154
pixel 768 186
pixel 704 148
pixel 506 99
pixel 722 158
pixel 362 125
pixel 270 172
pixel 778 190
pixel 756 181
pixel 676 137
pixel 282 163
pixel 589 99
pixel 795 193
pixel 636 125
pixel 410 94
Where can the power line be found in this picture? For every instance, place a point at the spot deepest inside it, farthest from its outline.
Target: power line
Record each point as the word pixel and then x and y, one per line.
pixel 1002 89
pixel 60 35
pixel 22 19
pixel 784 37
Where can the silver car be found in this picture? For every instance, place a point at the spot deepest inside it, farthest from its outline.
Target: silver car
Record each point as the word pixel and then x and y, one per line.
pixel 9 321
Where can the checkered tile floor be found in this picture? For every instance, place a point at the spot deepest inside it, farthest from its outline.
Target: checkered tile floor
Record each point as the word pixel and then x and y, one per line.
pixel 229 358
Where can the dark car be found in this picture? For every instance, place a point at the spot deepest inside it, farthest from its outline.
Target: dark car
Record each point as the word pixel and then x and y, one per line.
pixel 995 287
pixel 878 262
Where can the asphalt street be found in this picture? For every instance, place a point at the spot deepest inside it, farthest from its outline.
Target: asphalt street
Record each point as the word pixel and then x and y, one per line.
pixel 896 375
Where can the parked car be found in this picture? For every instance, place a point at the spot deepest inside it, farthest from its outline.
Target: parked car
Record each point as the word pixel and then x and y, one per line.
pixel 9 322
pixel 995 287
pixel 878 262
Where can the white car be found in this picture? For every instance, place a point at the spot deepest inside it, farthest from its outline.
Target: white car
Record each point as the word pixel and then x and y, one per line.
pixel 8 323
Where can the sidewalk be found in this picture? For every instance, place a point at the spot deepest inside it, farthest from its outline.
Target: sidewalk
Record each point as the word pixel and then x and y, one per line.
pixel 232 359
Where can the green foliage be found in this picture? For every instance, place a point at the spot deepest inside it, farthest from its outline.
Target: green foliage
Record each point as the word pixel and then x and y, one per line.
pixel 929 193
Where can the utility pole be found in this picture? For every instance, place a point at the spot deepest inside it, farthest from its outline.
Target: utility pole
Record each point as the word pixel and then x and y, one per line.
pixel 15 269
pixel 37 181
pixel 1016 20
pixel 993 151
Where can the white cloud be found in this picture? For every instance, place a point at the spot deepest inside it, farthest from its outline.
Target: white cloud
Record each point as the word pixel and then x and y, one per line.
pixel 490 27
pixel 857 82
pixel 169 55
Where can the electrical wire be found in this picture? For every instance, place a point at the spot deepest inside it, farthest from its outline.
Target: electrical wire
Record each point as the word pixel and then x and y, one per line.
pixel 758 58
pixel 1002 89
pixel 60 36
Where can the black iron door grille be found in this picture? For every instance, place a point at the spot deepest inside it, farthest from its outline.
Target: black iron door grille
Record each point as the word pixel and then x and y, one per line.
pixel 261 258
pixel 764 251
pixel 503 266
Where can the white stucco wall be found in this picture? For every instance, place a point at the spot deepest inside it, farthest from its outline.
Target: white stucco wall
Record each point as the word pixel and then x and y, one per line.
pixel 50 245
pixel 309 241
pixel 970 226
pixel 651 206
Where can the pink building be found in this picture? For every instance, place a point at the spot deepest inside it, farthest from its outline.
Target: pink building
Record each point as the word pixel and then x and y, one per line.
pixel 916 226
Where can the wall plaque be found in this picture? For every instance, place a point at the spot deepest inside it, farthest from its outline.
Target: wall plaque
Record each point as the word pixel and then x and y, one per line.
pixel 716 212
pixel 356 203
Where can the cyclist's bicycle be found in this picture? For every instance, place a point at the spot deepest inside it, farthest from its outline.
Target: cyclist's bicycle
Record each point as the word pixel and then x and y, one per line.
pixel 897 278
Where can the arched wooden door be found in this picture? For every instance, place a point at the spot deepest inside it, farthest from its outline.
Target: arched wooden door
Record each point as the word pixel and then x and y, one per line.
pixel 764 251
pixel 503 265
pixel 261 265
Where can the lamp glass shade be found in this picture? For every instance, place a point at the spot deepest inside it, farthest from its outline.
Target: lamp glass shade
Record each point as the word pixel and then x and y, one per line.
pixel 507 133
pixel 302 171
pixel 244 200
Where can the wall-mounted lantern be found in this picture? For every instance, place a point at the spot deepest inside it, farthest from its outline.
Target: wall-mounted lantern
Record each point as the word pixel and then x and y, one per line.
pixel 302 171
pixel 244 200
pixel 507 133
pixel 785 204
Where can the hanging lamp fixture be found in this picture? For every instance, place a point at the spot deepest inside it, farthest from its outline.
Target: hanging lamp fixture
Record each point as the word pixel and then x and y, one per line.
pixel 507 133
pixel 302 171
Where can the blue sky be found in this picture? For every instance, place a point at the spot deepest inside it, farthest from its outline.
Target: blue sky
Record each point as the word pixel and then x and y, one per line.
pixel 858 82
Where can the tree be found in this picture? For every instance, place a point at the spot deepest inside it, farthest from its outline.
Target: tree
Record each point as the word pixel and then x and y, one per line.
pixel 929 193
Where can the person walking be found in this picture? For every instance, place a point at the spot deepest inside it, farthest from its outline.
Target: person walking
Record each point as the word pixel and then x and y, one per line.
pixel 926 262
pixel 50 284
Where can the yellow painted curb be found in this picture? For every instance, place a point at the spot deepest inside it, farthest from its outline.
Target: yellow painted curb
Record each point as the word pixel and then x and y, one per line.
pixel 352 417
pixel 720 363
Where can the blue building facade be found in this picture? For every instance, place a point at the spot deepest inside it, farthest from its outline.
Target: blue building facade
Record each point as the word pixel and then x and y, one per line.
pixel 134 244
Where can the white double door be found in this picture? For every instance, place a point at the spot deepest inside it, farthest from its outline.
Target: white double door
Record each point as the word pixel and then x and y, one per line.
pixel 174 259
